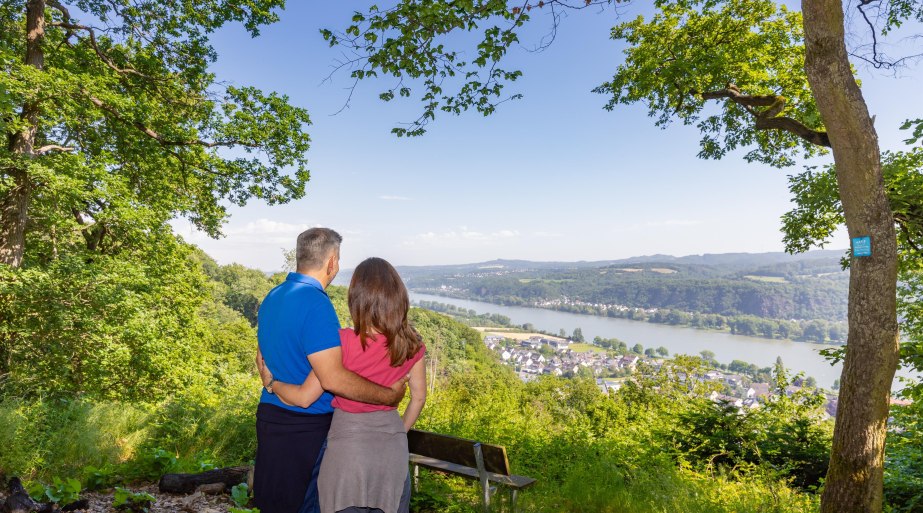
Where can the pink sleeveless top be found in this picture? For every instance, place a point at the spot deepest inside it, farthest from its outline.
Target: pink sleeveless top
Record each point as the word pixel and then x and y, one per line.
pixel 373 364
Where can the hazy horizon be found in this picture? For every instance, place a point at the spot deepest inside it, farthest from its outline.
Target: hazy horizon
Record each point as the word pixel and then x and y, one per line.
pixel 345 267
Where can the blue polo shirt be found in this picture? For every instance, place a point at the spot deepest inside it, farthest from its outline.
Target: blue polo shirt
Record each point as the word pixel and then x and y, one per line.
pixel 295 320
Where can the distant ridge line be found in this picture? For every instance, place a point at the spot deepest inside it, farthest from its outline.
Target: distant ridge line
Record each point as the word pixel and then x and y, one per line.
pixel 705 258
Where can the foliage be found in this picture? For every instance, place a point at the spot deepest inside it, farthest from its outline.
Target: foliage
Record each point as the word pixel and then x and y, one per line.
pixel 99 477
pixel 133 502
pixel 755 47
pixel 60 491
pixel 784 435
pixel 106 442
pixel 240 288
pixel 129 90
pixel 592 452
pixel 561 432
pixel 904 460
pixel 61 437
pixel 818 212
pixel 125 327
pixel 387 43
pixel 240 494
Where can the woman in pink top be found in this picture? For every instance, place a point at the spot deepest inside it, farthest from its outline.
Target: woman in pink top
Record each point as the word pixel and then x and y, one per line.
pixel 364 468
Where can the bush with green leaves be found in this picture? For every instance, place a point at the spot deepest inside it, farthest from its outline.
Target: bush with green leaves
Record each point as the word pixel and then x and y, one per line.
pixel 97 478
pixel 133 502
pixel 60 491
pixel 240 494
pixel 904 460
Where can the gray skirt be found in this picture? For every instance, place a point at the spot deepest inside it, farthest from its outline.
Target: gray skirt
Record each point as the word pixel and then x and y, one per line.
pixel 365 464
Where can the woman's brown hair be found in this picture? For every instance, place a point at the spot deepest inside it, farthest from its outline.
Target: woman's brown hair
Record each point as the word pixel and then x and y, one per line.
pixel 378 301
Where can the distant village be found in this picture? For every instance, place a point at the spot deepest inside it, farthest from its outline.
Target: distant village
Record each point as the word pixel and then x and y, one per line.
pixel 539 355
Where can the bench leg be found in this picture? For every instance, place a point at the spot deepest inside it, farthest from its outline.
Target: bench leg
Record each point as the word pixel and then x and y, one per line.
pixel 485 486
pixel 416 478
pixel 513 492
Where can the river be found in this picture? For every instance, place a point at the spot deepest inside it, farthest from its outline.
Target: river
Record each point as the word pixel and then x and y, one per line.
pixel 797 356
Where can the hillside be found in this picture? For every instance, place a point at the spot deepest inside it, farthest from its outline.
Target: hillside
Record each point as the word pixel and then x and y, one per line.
pixel 771 285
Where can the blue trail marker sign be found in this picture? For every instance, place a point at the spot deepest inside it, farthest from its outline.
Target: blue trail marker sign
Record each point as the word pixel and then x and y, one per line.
pixel 862 246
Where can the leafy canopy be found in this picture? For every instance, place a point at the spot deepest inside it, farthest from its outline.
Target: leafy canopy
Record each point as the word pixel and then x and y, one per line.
pixel 690 49
pixel 132 130
pixel 133 127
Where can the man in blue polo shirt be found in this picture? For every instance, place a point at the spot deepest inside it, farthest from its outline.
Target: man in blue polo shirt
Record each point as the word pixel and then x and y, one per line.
pixel 298 331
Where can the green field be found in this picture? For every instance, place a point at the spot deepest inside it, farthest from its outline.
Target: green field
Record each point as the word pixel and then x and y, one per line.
pixel 586 348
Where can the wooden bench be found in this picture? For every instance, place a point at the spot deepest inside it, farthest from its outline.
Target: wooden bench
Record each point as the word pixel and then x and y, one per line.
pixel 467 458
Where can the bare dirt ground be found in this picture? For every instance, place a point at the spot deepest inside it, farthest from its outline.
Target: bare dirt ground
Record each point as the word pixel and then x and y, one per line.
pixel 101 502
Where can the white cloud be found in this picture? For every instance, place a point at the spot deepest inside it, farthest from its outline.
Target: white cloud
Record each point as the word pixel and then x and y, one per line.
pixel 394 198
pixel 462 237
pixel 672 222
pixel 266 226
pixel 261 230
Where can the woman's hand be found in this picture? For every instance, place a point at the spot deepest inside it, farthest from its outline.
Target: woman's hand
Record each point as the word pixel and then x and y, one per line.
pixel 265 375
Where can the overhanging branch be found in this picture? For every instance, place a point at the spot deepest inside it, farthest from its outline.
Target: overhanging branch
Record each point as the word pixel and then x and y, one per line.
pixel 91 39
pixel 768 118
pixel 144 129
pixel 52 147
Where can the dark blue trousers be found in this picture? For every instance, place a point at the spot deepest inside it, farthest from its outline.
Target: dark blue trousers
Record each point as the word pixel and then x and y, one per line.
pixel 288 451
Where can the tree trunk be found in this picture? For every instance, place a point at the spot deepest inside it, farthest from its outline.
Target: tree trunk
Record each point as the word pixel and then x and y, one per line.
pixel 14 205
pixel 187 483
pixel 854 479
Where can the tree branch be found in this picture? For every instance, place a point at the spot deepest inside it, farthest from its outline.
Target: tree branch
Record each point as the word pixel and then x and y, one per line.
pixel 71 27
pixel 65 14
pixel 768 118
pixel 159 138
pixel 795 127
pixel 52 147
pixel 734 94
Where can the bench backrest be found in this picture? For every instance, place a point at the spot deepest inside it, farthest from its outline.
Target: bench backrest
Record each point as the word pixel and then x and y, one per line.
pixel 457 450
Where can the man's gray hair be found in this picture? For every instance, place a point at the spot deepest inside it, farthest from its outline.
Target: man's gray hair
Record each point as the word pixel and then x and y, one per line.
pixel 314 247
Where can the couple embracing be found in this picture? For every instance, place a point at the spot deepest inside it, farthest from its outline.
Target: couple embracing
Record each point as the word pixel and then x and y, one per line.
pixel 329 438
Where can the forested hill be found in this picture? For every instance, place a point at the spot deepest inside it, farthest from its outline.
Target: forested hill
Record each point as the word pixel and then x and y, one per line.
pixel 769 285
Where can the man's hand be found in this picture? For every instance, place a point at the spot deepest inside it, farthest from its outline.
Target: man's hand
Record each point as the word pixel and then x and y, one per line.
pixel 399 389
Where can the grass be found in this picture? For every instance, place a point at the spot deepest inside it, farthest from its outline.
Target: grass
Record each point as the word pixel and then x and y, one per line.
pixel 44 438
pixel 579 470
pixel 604 484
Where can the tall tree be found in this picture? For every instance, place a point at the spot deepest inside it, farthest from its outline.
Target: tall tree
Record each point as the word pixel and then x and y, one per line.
pixel 110 112
pixel 855 478
pixel 785 87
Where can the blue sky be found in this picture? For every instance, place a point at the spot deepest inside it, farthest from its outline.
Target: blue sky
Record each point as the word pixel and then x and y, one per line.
pixel 549 177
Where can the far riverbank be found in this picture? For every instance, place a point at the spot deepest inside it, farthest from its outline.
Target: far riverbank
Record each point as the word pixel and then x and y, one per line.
pixel 798 356
pixel 818 331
